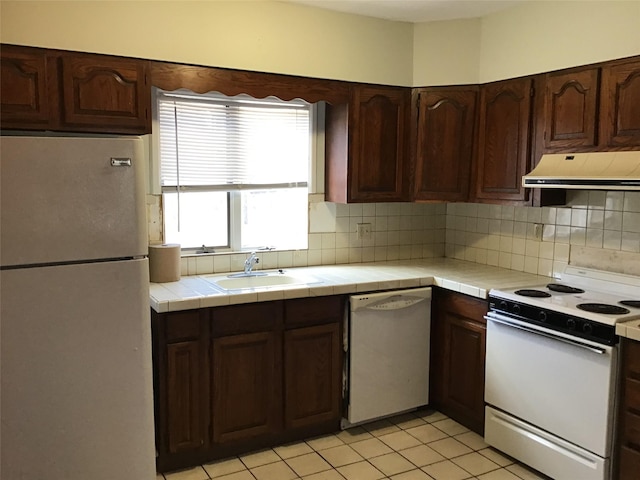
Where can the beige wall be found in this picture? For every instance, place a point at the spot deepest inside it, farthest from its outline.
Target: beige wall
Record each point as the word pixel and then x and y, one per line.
pixel 279 37
pixel 534 37
pixel 252 35
pixel 549 35
pixel 446 53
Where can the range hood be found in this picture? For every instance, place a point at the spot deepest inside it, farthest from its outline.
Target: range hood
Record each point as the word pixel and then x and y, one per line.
pixel 589 171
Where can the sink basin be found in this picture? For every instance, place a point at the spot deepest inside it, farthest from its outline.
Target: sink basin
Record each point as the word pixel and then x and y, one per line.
pixel 263 281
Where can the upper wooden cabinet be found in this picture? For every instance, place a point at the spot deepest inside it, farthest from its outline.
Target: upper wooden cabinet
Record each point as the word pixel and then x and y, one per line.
pixel 26 101
pixel 73 92
pixel 570 111
pixel 620 111
pixel 366 146
pixel 503 140
pixel 591 109
pixel 444 142
pixel 107 94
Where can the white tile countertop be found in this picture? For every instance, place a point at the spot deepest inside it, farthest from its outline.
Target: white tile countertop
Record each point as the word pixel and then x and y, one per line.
pixel 629 329
pixel 473 279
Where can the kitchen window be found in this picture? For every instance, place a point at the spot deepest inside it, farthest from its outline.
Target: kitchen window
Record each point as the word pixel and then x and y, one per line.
pixel 234 171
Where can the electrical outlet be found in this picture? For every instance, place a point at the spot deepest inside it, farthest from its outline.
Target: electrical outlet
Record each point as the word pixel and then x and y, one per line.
pixel 537 230
pixel 364 231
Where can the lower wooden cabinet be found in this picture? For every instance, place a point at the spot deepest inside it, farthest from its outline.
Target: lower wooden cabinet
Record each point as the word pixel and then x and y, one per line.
pixel 458 339
pixel 233 379
pixel 312 374
pixel 245 387
pixel 628 444
pixel 181 386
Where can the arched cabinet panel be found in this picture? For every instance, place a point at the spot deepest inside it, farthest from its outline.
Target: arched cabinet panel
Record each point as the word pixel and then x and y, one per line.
pixel 571 109
pixel 444 143
pixel 367 147
pixel 66 91
pixel 621 104
pixel 504 140
pixel 112 92
pixel 24 77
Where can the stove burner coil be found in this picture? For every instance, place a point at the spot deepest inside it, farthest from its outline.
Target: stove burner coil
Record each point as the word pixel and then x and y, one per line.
pixel 556 287
pixel 630 303
pixel 532 293
pixel 603 308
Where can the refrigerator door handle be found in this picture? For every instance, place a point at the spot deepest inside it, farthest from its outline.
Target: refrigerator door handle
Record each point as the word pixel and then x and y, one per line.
pixel 120 162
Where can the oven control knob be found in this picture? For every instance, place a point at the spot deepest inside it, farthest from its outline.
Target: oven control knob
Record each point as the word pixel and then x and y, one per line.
pixel 503 305
pixel 516 309
pixel 587 328
pixel 571 323
pixel 542 316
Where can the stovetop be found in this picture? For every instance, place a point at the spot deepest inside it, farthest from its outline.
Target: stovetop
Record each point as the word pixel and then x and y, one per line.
pixel 586 290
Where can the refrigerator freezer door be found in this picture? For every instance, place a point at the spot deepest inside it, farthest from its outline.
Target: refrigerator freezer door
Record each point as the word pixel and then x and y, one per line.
pixel 62 199
pixel 76 375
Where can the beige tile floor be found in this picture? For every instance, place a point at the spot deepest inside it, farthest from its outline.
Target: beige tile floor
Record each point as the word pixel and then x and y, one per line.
pixel 423 445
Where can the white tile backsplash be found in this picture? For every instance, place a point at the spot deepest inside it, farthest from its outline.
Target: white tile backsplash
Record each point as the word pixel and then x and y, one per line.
pixel 499 235
pixel 597 219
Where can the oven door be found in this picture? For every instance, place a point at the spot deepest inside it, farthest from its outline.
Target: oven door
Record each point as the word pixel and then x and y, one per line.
pixel 552 381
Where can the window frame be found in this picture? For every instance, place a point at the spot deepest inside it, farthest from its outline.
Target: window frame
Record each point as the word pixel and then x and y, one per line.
pixel 314 183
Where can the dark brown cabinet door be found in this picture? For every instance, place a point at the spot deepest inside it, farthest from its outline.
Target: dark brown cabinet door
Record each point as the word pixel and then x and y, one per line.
pixel 620 112
pixel 26 102
pixel 503 140
pixel 312 375
pixel 458 342
pixel 105 94
pixel 181 386
pixel 73 92
pixel 571 101
pixel 379 155
pixel 366 148
pixel 628 444
pixel 184 392
pixel 444 151
pixel 245 387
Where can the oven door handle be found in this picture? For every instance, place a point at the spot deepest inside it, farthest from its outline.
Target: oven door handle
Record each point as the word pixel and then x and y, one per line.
pixel 499 319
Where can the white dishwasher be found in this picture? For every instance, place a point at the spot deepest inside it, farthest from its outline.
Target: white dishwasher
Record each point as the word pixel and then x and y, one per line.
pixel 387 344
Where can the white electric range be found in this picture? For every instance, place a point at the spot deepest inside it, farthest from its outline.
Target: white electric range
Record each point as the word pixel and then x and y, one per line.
pixel 552 370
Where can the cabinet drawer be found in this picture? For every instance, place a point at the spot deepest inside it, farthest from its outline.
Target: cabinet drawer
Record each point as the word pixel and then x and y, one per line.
pixel 629 464
pixel 184 325
pixel 313 311
pixel 632 395
pixel 631 431
pixel 632 359
pixel 252 317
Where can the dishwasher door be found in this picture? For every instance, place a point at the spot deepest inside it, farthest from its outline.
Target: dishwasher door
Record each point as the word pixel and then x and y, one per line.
pixel 388 353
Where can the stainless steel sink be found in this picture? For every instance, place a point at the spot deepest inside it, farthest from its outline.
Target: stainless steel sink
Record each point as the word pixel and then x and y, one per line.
pixel 260 280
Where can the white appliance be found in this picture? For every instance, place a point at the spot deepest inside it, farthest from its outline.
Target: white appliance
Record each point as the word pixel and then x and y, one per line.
pixel 76 373
pixel 387 354
pixel 552 371
pixel 591 170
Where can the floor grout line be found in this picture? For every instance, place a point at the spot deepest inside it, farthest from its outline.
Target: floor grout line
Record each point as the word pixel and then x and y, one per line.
pixel 408 420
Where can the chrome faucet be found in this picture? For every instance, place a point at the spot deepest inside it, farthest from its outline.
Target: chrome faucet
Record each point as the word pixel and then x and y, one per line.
pixel 250 262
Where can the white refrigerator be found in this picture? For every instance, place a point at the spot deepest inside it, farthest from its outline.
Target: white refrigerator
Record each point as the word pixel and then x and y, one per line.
pixel 76 376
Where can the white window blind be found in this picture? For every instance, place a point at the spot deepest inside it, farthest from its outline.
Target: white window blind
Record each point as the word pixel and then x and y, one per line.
pixel 232 144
